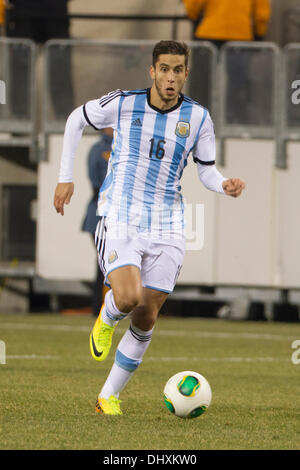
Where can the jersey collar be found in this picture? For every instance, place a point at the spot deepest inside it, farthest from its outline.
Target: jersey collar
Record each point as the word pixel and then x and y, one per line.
pixel 164 111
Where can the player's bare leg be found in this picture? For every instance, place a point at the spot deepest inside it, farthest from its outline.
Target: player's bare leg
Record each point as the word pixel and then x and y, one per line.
pixel 145 314
pixel 124 296
pixel 126 285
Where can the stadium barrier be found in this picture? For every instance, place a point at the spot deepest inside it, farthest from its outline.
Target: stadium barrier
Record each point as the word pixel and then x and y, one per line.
pixel 289 110
pixel 173 20
pixel 248 91
pixel 18 114
pixel 104 60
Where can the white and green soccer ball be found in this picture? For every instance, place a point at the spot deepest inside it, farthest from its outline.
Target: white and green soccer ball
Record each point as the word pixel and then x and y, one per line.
pixel 187 394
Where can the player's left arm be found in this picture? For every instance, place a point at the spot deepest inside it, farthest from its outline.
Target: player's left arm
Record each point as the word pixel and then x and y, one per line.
pixel 204 154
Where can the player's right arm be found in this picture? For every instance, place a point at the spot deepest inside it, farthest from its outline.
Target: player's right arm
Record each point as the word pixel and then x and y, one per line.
pixel 73 132
pixel 62 196
pixel 96 113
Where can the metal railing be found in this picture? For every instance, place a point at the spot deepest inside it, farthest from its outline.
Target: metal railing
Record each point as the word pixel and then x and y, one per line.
pixel 173 19
pixel 18 114
pixel 112 65
pixel 249 81
pixel 290 25
pixel 289 93
pixel 247 87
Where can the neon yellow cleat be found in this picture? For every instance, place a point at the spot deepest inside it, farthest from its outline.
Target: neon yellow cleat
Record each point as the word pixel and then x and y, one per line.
pixel 101 338
pixel 108 406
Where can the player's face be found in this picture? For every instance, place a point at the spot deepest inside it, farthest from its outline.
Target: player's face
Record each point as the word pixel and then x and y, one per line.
pixel 168 75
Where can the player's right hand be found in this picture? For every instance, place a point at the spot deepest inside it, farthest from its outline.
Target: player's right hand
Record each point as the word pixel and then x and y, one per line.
pixel 62 196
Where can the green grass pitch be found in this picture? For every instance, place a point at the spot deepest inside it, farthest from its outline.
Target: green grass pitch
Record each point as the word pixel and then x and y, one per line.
pixel 49 385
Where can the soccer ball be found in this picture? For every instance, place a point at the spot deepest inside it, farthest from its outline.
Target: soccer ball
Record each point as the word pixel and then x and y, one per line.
pixel 187 394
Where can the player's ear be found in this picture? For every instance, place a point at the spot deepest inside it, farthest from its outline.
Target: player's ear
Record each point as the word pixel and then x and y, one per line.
pixel 152 72
pixel 187 71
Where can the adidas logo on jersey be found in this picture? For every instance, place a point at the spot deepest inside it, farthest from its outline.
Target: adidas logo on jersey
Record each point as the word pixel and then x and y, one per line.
pixel 137 122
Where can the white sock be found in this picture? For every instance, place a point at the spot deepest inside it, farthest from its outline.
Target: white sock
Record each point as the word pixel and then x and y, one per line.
pixel 130 351
pixel 115 382
pixel 110 314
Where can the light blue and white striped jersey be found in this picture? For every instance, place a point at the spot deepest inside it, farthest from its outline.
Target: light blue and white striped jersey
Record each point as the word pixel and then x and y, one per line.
pixel 149 153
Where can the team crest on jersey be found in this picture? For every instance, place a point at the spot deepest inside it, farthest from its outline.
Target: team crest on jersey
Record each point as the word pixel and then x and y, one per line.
pixel 112 256
pixel 182 129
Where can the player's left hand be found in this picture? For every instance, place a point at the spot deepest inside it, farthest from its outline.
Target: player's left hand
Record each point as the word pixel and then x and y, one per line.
pixel 233 187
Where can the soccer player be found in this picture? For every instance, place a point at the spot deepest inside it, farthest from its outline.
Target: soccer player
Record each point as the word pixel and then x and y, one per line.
pixel 140 238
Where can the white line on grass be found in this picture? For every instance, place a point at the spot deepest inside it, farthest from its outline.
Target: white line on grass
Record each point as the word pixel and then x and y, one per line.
pixel 218 359
pixel 30 356
pixel 158 332
pixel 165 358
pixel 223 335
pixel 48 327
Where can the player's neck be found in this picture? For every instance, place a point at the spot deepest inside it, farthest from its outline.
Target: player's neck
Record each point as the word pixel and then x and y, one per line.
pixel 158 102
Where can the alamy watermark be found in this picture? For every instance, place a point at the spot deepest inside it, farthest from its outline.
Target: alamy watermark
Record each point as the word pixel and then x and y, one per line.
pixel 2 352
pixel 296 354
pixel 2 92
pixel 159 221
pixel 295 98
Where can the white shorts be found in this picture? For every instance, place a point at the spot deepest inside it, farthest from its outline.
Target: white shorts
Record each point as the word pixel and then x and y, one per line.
pixel 159 260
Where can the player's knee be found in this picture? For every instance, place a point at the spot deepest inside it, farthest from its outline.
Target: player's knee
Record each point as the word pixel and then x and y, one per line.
pixel 127 299
pixel 126 304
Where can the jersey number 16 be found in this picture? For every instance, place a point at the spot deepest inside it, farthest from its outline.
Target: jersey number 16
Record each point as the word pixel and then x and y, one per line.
pixel 159 151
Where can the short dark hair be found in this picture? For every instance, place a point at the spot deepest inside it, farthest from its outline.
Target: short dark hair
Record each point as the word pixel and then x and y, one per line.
pixel 170 47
